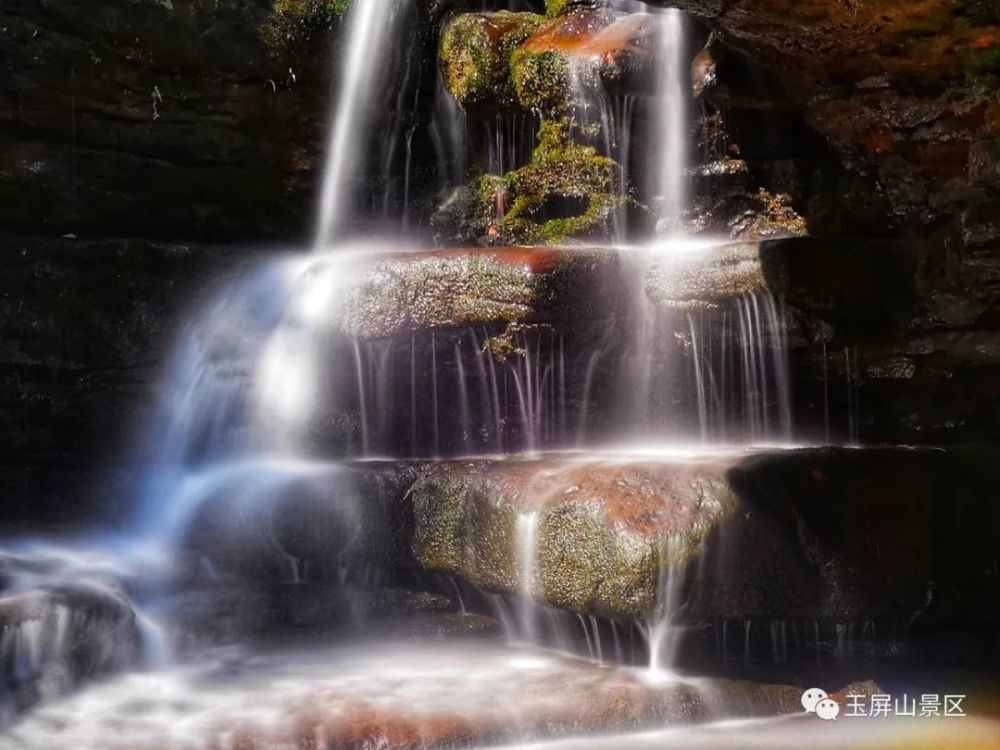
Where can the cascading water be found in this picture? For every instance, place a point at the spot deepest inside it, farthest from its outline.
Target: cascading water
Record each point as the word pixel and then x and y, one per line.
pixel 369 33
pixel 673 130
pixel 526 533
pixel 274 397
pixel 664 630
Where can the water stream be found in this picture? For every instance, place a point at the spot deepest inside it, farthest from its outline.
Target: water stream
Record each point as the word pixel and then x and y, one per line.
pixel 271 400
pixel 673 87
pixel 370 33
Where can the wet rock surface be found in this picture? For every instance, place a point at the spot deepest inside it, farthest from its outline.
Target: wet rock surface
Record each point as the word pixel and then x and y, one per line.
pixel 705 277
pixel 819 534
pixel 85 325
pixel 599 533
pixel 455 288
pixel 888 115
pixel 56 637
pixel 474 56
pixel 390 697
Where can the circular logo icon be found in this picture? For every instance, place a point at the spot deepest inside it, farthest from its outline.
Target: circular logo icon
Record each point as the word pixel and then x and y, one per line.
pixel 811 697
pixel 828 709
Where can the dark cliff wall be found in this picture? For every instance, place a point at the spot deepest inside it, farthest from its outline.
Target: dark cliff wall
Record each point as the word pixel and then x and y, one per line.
pixel 150 118
pixel 137 139
pixel 907 95
pixel 174 124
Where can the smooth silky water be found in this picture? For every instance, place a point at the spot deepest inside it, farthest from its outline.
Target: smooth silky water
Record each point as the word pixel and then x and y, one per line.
pixel 264 363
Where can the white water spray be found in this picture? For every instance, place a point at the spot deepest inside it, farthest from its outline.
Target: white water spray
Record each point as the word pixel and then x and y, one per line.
pixel 368 31
pixel 671 118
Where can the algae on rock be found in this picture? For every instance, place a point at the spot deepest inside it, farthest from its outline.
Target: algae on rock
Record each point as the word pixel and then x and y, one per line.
pixel 601 534
pixel 541 80
pixel 560 169
pixel 566 192
pixel 474 55
pixel 297 22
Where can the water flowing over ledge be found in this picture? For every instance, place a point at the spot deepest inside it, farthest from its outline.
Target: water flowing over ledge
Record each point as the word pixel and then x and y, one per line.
pixel 525 488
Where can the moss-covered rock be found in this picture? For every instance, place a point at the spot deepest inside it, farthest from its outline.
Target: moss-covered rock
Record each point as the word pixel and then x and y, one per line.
pixel 563 177
pixel 743 216
pixel 440 290
pixel 474 56
pixel 593 49
pixel 566 192
pixel 541 80
pixel 774 217
pixel 295 23
pixel 825 534
pixel 602 529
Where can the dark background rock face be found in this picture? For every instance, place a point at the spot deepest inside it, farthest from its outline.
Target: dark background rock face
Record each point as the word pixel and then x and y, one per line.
pixel 176 125
pixel 904 96
pixel 171 124
pixel 151 119
pixel 85 325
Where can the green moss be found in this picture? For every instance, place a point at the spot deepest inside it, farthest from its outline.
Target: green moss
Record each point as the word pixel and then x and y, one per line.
pixel 297 22
pixel 560 168
pixel 516 208
pixel 474 55
pixel 541 80
pixel 567 190
pixel 406 294
pixel 556 7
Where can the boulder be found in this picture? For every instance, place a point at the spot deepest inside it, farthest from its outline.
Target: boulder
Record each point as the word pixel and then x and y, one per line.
pixel 818 534
pixel 53 638
pixel 599 531
pixel 454 288
pixel 392 696
pixel 474 56
pixel 704 277
pixel 582 49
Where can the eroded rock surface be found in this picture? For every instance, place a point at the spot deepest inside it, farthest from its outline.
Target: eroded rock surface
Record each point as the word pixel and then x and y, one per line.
pixel 600 531
pixel 455 288
pixel 819 534
pixel 387 696
pixel 140 119
pixel 54 638
pixel 704 277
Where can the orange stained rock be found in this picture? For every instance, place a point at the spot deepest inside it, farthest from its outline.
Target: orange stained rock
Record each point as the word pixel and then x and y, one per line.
pixel 642 498
pixel 594 33
pixel 536 259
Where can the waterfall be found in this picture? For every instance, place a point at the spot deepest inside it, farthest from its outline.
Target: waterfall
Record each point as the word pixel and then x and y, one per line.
pixel 594 107
pixel 671 122
pixel 526 527
pixel 663 631
pixel 368 31
pixel 448 135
